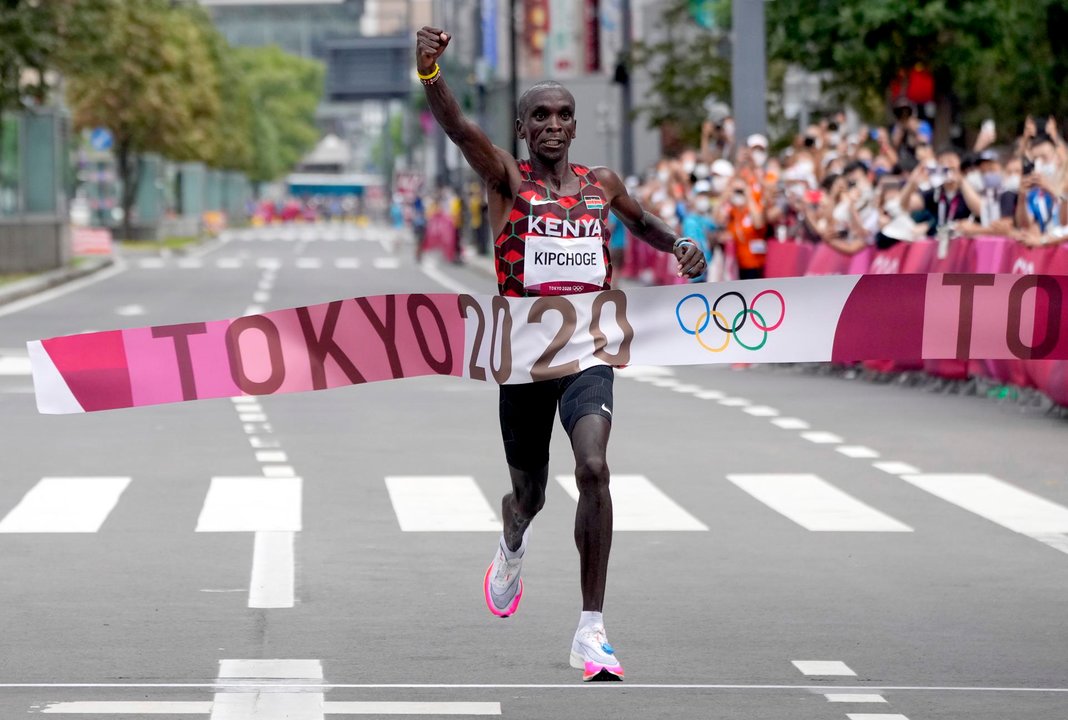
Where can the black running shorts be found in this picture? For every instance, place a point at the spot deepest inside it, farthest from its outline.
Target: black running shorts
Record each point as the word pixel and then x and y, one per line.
pixel 528 411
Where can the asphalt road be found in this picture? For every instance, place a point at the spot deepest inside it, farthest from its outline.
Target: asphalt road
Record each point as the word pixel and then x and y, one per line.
pixel 915 544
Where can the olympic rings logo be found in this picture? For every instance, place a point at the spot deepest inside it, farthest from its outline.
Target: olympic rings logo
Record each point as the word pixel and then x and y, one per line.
pixel 747 313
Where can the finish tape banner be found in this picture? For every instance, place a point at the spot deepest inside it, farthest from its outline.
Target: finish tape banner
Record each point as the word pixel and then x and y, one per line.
pixel 518 340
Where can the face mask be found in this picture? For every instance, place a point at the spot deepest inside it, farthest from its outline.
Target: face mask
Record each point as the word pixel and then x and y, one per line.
pixel 1048 169
pixel 760 157
pixel 688 166
pixel 833 139
pixel 663 175
pixel 701 171
pixel 893 207
pixel 841 212
pixel 702 204
pixel 719 184
pixel 866 194
pixel 1011 183
pixel 991 180
pixel 937 179
pixel 738 199
pixel 975 179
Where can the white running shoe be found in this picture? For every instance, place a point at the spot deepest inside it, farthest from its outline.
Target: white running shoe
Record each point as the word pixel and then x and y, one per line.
pixel 502 585
pixel 594 656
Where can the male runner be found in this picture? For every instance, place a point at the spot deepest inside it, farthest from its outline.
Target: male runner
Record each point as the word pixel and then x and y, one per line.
pixel 527 201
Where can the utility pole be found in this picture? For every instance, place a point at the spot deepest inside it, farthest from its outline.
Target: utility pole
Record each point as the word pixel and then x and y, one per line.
pixel 749 71
pixel 626 103
pixel 513 72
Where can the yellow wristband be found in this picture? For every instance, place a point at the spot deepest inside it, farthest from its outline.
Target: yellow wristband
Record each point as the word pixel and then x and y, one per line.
pixel 427 77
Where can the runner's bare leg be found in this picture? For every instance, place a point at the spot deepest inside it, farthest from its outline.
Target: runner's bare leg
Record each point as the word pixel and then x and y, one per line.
pixel 593 519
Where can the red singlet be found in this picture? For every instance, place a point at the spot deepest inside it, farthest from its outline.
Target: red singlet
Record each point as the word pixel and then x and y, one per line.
pixel 554 245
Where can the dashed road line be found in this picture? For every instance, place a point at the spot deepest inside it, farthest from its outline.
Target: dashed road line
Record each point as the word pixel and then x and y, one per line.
pixel 815 504
pixel 823 668
pixel 821 438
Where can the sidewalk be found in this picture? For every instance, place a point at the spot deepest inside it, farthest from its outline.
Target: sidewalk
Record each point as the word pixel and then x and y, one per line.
pixel 11 292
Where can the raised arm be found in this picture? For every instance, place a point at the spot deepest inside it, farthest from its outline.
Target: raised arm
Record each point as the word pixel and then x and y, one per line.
pixel 648 227
pixel 495 166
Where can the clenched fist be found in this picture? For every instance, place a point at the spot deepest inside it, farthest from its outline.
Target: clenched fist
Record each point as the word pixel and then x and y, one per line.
pixel 430 43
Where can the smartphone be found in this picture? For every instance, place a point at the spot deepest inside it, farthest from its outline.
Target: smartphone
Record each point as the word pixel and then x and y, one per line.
pixel 988 127
pixel 1028 167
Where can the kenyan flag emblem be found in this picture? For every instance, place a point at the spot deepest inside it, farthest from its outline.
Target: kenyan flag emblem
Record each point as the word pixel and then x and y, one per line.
pixel 594 202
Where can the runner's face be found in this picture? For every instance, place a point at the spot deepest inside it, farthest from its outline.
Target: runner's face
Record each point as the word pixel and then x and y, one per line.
pixel 549 126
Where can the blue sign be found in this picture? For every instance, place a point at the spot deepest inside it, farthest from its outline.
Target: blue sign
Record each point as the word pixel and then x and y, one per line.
pixel 489 33
pixel 100 139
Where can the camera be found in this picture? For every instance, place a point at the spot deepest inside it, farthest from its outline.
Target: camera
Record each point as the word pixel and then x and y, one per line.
pixel 1028 166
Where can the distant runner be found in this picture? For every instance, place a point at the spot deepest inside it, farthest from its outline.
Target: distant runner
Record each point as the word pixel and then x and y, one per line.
pixel 550 220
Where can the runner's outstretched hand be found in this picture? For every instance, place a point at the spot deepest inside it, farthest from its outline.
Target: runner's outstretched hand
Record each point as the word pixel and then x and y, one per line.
pixel 691 259
pixel 430 43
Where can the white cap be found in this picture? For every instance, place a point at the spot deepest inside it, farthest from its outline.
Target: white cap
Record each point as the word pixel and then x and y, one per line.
pixel 723 167
pixel 702 186
pixel 756 139
pixel 900 228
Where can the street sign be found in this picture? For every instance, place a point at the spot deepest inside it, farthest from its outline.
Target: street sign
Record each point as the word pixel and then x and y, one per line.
pixel 100 139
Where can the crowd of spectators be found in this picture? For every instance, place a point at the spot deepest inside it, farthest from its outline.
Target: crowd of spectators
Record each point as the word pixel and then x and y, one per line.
pixel 854 187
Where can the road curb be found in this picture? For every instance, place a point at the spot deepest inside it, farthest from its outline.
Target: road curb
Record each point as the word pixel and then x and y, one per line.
pixel 52 278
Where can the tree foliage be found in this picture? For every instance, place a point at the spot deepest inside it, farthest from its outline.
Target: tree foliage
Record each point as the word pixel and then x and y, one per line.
pixel 285 92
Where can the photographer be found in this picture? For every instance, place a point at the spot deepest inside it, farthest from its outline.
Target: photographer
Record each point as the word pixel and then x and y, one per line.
pixel 948 200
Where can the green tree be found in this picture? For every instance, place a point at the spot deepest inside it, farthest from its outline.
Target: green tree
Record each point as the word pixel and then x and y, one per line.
pixel 865 45
pixel 284 91
pixel 687 63
pixel 150 80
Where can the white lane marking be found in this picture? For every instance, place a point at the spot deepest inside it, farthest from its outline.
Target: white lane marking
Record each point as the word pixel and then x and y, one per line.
pixel 14 365
pixel 370 707
pixel 789 423
pixel 431 270
pixel 238 685
pixel 761 411
pixel 639 505
pixel 268 702
pixel 279 471
pixel 440 503
pixel 269 263
pixel 266 284
pixel 260 443
pixel 815 504
pixel 734 402
pixel 258 427
pixel 130 310
pixel 228 263
pixel 254 310
pixel 251 504
pixel 997 501
pixel 347 263
pixel 854 698
pixel 710 395
pixel 307 263
pixel 150 263
pixel 252 417
pixel 65 505
pixel 261 296
pixel 687 388
pixel 821 438
pixel 896 468
pixel 271 456
pixel 876 716
pixel 665 382
pixel 823 668
pixel 129 707
pixel 190 263
pixel 65 289
pixel 386 263
pixel 1057 541
pixel 250 407
pixel 272 583
pixel 857 451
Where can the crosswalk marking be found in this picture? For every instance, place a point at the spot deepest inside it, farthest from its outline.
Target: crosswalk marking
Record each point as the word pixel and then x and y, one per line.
pixel 309 263
pixel 347 263
pixel 150 263
pixel 815 504
pixel 272 584
pixel 14 365
pixel 386 263
pixel 997 501
pixel 854 698
pixel 251 504
pixel 65 505
pixel 268 703
pixel 639 505
pixel 823 668
pixel 228 263
pixel 761 411
pixel 271 456
pixel 875 716
pixel 440 503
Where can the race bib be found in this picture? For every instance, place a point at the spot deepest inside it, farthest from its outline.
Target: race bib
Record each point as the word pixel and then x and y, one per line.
pixel 562 266
pixel 758 247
